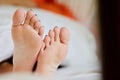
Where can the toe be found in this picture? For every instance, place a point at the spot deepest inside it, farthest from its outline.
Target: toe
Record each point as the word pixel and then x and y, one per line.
pixel 57 33
pixel 37 26
pixel 47 40
pixel 18 17
pixel 33 20
pixel 42 48
pixel 64 35
pixel 29 15
pixel 41 31
pixel 51 34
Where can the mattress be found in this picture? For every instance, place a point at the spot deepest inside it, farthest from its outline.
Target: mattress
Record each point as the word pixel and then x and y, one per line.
pixel 82 57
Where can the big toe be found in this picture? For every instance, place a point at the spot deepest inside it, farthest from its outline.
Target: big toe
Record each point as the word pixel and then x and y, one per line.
pixel 64 35
pixel 18 17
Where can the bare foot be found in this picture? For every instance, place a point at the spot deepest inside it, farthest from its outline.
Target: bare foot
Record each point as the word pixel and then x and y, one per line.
pixel 27 39
pixel 53 51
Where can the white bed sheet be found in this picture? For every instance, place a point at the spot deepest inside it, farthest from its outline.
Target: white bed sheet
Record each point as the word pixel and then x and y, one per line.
pixel 17 76
pixel 82 57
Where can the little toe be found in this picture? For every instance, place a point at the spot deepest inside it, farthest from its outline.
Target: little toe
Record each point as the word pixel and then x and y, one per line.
pixel 18 17
pixel 29 15
pixel 64 35
pixel 47 41
pixel 57 33
pixel 52 35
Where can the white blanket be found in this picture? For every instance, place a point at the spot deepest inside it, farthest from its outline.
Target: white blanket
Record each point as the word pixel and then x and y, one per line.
pixel 82 57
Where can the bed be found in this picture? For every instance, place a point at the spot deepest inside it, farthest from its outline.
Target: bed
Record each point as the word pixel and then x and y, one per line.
pixel 81 63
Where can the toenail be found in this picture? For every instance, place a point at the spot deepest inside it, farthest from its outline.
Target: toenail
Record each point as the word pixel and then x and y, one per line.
pixel 56 26
pixel 35 14
pixel 31 9
pixel 39 20
pixel 50 30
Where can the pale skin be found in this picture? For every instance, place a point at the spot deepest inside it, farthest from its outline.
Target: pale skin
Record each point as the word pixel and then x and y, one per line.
pixel 29 46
